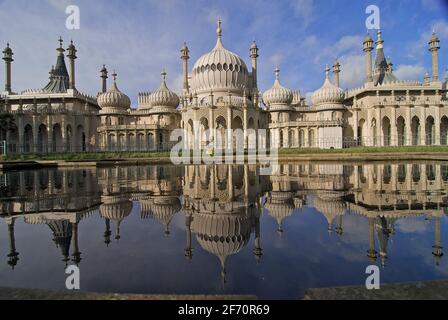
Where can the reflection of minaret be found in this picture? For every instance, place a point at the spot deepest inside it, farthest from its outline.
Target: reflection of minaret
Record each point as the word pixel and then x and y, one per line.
pixel 62 237
pixel 76 254
pixel 258 252
pixel 437 248
pixel 371 253
pixel 188 249
pixel 107 233
pixel 383 237
pixel 13 256
pixel 339 228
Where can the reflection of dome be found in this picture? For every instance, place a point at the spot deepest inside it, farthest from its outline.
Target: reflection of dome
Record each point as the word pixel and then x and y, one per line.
pixel 162 97
pixel 329 94
pixel 222 235
pixel 161 208
pixel 219 70
pixel 115 208
pixel 280 206
pixel 330 208
pixel 62 236
pixel 277 94
pixel 114 101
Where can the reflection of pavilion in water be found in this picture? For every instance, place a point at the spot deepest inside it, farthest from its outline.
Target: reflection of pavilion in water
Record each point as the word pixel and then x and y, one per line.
pixel 223 204
pixel 222 208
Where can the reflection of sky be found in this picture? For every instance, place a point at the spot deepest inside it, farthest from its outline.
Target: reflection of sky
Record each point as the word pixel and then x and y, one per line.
pixel 145 261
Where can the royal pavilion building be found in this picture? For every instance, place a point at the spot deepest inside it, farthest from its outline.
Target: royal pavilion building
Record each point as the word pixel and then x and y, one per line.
pixel 220 94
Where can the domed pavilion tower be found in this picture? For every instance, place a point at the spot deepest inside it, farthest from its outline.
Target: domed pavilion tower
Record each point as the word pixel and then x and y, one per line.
pixel 221 95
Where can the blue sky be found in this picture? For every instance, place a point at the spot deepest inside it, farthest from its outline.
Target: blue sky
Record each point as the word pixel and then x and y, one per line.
pixel 141 37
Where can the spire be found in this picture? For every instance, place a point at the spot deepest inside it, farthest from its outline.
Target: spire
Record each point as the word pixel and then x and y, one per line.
pixel 219 30
pixel 277 73
pixel 379 41
pixel 60 49
pixel 219 35
pixel 327 72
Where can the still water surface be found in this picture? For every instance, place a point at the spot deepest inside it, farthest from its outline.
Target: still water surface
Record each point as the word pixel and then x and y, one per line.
pixel 223 229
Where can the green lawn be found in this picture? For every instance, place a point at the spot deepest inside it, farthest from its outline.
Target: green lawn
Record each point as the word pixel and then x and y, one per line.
pixel 282 152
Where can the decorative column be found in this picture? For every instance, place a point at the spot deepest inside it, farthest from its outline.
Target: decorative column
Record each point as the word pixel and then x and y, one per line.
pixel 371 253
pixel 21 130
pixel 408 126
pixel 423 126
pixel 355 124
pixel 35 133
pixel 50 134
pixel 379 125
pixel 211 120
pixel 437 125
pixel 393 127
pixel 245 119
pixel 229 126
pixel 254 56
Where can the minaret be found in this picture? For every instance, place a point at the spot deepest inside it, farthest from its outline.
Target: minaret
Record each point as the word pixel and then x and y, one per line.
pixel 368 48
pixel 254 56
pixel 434 46
pixel 104 77
pixel 7 57
pixel 185 51
pixel 72 57
pixel 13 256
pixel 336 71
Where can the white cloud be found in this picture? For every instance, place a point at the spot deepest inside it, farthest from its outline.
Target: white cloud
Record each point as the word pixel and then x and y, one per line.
pixel 305 10
pixel 352 71
pixel 419 47
pixel 410 72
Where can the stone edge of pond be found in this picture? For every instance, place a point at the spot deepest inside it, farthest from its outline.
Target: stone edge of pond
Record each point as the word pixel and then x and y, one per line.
pixel 330 157
pixel 424 290
pixel 39 294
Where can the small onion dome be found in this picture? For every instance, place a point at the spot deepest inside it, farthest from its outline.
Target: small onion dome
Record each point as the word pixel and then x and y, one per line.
pixel 219 70
pixel 163 97
pixel 296 97
pixel 114 101
pixel 116 209
pixel 277 95
pixel 328 94
pixel 280 206
pixel 368 38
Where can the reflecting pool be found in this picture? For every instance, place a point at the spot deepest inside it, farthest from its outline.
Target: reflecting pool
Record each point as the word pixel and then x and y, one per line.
pixel 223 229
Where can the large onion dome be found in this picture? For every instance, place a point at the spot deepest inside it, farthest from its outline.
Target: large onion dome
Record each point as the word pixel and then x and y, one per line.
pixel 163 99
pixel 277 95
pixel 280 206
pixel 328 95
pixel 219 71
pixel 114 101
pixel 161 208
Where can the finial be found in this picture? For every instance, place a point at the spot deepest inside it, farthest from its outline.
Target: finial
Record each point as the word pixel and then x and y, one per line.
pixel 7 45
pixel 163 75
pixel 114 76
pixel 219 30
pixel 60 41
pixel 327 71
pixel 277 72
